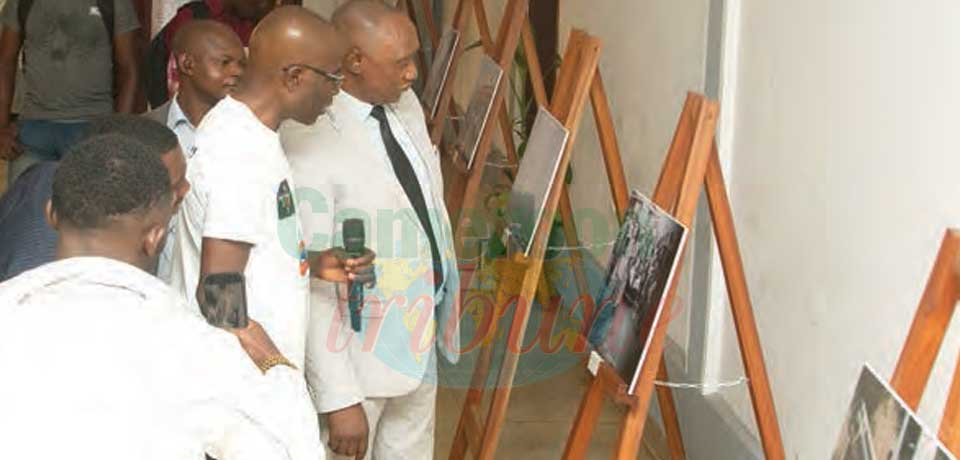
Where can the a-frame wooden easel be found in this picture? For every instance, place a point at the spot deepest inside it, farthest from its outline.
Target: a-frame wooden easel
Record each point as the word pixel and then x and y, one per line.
pixel 925 339
pixel 691 164
pixel 482 437
pixel 464 185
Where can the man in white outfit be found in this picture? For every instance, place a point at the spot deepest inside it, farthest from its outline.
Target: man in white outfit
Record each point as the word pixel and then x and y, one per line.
pixel 109 365
pixel 240 214
pixel 377 387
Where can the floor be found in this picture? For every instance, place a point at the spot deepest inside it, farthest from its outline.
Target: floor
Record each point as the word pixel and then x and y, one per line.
pixel 539 419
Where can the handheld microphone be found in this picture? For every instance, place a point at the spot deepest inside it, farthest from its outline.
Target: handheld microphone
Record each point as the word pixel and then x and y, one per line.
pixel 354 242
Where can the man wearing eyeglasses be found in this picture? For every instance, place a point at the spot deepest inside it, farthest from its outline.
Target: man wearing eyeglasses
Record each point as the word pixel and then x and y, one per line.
pixel 372 146
pixel 240 215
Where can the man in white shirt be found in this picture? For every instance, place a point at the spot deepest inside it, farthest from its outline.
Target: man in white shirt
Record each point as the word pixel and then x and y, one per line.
pixel 240 214
pixel 210 61
pixel 374 149
pixel 109 365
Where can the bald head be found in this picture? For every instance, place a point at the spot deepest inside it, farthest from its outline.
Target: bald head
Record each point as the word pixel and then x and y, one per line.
pixel 381 65
pixel 210 62
pixel 197 33
pixel 370 23
pixel 293 35
pixel 294 64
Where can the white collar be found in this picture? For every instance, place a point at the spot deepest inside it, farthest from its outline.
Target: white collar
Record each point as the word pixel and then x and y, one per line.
pixel 176 116
pixel 90 270
pixel 354 107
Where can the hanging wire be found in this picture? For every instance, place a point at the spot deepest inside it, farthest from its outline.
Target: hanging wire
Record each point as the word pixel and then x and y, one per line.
pixel 704 386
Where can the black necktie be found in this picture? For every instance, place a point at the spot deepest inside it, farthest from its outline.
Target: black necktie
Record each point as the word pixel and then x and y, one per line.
pixel 411 186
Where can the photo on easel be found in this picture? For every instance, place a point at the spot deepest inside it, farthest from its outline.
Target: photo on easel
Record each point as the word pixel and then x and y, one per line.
pixel 439 70
pixel 535 178
pixel 880 426
pixel 642 265
pixel 488 81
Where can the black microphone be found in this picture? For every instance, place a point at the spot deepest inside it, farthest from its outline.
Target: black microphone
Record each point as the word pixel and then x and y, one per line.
pixel 354 242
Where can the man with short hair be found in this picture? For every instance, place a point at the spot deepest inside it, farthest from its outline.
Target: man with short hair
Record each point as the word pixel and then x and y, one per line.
pixel 240 214
pixel 109 365
pixel 374 149
pixel 71 52
pixel 26 239
pixel 210 60
pixel 239 15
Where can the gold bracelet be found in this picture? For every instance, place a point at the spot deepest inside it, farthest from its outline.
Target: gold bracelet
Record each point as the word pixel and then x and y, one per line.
pixel 272 361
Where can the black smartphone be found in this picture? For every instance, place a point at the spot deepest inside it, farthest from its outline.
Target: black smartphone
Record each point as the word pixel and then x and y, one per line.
pixel 225 300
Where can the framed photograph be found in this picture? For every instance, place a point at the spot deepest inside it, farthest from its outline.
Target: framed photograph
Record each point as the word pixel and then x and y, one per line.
pixel 880 426
pixel 642 265
pixel 535 177
pixel 478 111
pixel 439 71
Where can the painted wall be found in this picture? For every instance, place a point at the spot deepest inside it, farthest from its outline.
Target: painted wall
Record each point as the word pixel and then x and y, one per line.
pixel 843 182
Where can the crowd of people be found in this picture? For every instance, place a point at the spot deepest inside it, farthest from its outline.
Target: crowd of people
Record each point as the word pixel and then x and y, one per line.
pixel 113 224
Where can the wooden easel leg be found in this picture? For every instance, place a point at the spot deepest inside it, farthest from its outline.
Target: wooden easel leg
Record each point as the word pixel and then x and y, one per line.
pixel 586 421
pixel 533 65
pixel 608 143
pixel 432 30
pixel 472 402
pixel 445 104
pixel 929 324
pixel 668 410
pixel 950 424
pixel 631 434
pixel 750 349
pixel 674 165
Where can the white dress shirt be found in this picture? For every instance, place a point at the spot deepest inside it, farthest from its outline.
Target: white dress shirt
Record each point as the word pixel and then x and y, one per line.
pixel 103 363
pixel 178 122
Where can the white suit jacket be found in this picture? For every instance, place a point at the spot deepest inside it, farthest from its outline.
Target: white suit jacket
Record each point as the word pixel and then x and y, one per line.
pixel 342 171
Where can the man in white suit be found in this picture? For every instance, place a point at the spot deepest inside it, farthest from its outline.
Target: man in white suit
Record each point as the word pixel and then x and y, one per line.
pixel 373 154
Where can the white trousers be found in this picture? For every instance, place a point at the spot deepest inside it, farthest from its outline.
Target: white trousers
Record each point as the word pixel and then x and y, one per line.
pixel 401 428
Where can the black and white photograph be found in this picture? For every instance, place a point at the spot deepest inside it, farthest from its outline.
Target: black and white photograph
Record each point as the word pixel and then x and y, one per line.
pixel 478 111
pixel 880 426
pixel 439 70
pixel 538 171
pixel 644 260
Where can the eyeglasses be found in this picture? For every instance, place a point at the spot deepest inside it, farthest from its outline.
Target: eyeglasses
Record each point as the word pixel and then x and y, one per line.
pixel 335 78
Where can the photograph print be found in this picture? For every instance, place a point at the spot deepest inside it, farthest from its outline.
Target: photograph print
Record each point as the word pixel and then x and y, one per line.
pixel 488 81
pixel 535 178
pixel 439 70
pixel 642 265
pixel 879 426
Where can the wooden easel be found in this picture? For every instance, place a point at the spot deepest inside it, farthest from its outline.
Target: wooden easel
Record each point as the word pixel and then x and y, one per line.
pixel 462 195
pixel 483 438
pixel 520 276
pixel 433 34
pixel 691 163
pixel 926 335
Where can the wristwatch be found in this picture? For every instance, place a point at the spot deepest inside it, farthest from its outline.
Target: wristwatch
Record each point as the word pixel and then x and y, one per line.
pixel 277 360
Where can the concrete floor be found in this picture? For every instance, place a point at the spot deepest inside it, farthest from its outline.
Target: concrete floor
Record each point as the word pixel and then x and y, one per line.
pixel 539 419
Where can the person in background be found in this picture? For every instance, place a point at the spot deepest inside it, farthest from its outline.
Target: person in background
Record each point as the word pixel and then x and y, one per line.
pixel 71 52
pixel 374 148
pixel 210 61
pixel 26 239
pixel 239 15
pixel 109 364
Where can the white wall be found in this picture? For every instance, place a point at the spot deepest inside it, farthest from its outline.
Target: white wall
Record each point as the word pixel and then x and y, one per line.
pixel 843 180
